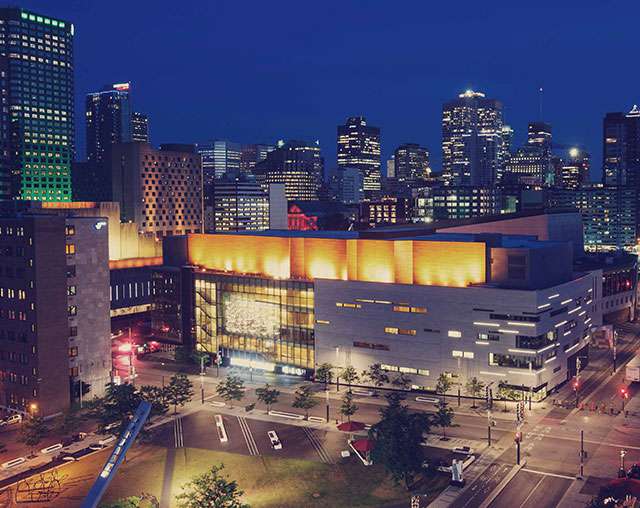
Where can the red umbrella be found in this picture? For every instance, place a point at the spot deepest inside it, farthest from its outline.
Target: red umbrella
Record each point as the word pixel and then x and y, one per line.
pixel 351 426
pixel 363 445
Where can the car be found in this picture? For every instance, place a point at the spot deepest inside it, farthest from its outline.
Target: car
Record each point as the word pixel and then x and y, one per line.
pixel 465 450
pixel 11 420
pixel 275 442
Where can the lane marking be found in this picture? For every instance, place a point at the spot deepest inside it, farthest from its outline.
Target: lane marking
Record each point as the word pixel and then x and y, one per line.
pixel 544 473
pixel 532 491
pixel 178 435
pixel 248 436
pixel 318 446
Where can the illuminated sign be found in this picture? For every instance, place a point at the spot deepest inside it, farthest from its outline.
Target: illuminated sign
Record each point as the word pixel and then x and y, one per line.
pixel 121 87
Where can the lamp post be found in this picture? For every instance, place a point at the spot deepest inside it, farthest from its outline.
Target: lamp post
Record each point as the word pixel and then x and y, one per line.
pixel 327 398
pixel 488 426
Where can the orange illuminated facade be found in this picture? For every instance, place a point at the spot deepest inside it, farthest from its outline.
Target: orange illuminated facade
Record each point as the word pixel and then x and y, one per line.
pixel 116 264
pixel 410 261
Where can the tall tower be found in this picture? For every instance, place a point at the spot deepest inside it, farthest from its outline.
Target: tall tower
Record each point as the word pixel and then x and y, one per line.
pixel 37 132
pixel 359 147
pixel 472 140
pixel 411 162
pixel 621 148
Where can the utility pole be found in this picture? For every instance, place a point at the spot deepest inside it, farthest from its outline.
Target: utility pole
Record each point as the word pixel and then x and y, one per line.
pixel 615 344
pixel 621 472
pixel 581 455
pixel 327 394
pixel 202 378
pixel 488 427
pixel 577 384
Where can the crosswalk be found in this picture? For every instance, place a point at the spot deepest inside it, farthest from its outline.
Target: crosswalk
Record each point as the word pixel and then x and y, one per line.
pixel 178 435
pixel 248 436
pixel 318 446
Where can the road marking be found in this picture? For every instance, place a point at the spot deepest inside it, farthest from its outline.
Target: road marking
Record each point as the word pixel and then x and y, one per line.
pixel 318 446
pixel 178 436
pixel 532 491
pixel 544 473
pixel 248 436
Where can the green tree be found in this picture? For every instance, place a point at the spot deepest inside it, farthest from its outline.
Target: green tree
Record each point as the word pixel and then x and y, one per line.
pixel 267 395
pixel 443 385
pixel 230 389
pixel 324 374
pixel 474 388
pixel 156 396
pixel 397 436
pixel 305 399
pixel 144 500
pixel 348 407
pixel 376 375
pixel 211 490
pixel 349 375
pixel 68 422
pixel 179 391
pixel 443 418
pixel 32 431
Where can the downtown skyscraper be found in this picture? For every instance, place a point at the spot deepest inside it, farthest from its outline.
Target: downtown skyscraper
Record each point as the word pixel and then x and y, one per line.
pixel 472 140
pixel 37 124
pixel 359 147
pixel 621 148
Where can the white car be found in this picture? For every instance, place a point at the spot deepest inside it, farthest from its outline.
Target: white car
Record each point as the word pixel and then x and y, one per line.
pixel 275 442
pixel 11 420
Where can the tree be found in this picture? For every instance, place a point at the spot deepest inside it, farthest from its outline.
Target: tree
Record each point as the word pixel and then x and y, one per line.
pixel 443 418
pixel 474 388
pixel 305 399
pixel 68 422
pixel 157 397
pixel 33 430
pixel 324 374
pixel 211 489
pixel 376 375
pixel 232 388
pixel 506 393
pixel 120 403
pixel 348 408
pixel 397 436
pixel 179 391
pixel 267 395
pixel 349 375
pixel 443 385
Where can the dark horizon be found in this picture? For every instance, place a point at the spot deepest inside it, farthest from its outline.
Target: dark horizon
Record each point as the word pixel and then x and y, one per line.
pixel 254 72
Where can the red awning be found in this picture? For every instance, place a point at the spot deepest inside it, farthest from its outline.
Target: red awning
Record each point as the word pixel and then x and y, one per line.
pixel 351 426
pixel 363 445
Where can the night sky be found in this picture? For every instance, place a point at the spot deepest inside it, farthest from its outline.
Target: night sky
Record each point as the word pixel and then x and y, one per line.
pixel 260 71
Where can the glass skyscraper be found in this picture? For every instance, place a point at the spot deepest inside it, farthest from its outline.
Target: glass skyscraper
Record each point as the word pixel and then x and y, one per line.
pixel 37 135
pixel 359 147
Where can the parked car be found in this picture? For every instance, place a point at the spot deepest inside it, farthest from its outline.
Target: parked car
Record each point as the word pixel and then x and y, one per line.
pixel 11 420
pixel 275 442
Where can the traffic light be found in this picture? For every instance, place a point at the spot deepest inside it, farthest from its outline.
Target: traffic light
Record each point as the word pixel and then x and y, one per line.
pixel 486 395
pixel 576 385
pixel 624 393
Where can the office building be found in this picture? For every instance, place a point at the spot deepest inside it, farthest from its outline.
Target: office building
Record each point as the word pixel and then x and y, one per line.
pixel 452 203
pixel 37 136
pixel 391 167
pixel 529 165
pixel 621 148
pixel 296 164
pixel 239 203
pixel 574 171
pixel 140 127
pixel 251 154
pixel 219 157
pixel 472 140
pixel 385 211
pixel 158 190
pixel 540 134
pixel 464 305
pixel 359 147
pixel 55 310
pixel 411 163
pixel 347 185
pixel 609 215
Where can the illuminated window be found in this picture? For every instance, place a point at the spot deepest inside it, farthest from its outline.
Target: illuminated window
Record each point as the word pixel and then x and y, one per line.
pixel 393 368
pixel 70 248
pixel 454 333
pixel 401 308
pixel 322 322
pixel 69 230
pixel 456 354
pixel 72 310
pixel 391 330
pixel 349 305
pixel 73 351
pixel 468 354
pixel 408 370
pixel 423 372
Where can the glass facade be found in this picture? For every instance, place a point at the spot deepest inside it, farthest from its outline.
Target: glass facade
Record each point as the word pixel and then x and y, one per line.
pixel 270 319
pixel 38 89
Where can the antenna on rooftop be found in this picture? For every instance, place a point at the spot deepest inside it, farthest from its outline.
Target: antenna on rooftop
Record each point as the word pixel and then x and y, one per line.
pixel 540 96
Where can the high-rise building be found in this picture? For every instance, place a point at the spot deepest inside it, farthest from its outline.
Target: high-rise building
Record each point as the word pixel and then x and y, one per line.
pixel 347 185
pixel 140 127
pixel 37 135
pixel 108 120
pixel 359 147
pixel 240 203
pixel 463 202
pixel 251 154
pixel 530 165
pixel 539 134
pixel 298 165
pixel 411 162
pixel 472 140
pixel 574 172
pixel 219 157
pixel 621 148
pixel 159 190
pixel 56 326
pixel 391 167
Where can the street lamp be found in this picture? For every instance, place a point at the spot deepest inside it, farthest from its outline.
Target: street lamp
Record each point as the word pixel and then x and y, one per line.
pixel 621 472
pixel 33 407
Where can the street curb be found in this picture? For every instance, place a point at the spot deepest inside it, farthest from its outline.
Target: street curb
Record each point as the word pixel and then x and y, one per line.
pixel 505 481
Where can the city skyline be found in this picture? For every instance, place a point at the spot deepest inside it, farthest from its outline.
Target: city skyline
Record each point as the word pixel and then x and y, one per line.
pixel 270 91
